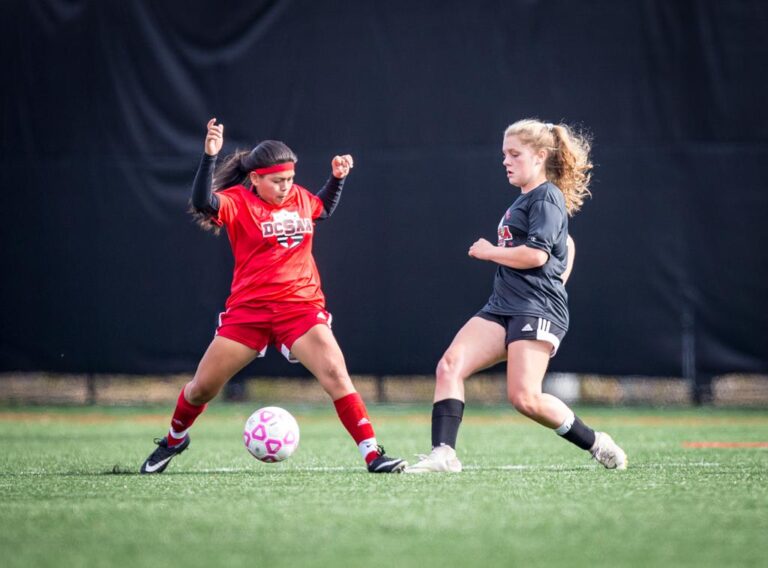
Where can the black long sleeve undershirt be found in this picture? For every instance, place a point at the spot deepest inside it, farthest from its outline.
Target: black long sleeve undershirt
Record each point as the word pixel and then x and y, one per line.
pixel 330 195
pixel 204 199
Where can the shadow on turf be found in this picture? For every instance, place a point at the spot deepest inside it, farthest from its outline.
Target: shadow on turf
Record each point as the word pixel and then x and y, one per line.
pixel 470 470
pixel 120 470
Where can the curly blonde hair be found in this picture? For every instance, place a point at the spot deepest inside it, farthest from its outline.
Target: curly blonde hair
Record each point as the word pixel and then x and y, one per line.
pixel 568 164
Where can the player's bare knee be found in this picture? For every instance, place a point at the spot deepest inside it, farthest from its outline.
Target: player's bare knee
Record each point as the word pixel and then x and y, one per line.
pixel 525 403
pixel 448 368
pixel 200 393
pixel 336 375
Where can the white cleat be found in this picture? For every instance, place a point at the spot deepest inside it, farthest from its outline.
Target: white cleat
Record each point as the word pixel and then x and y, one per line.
pixel 440 459
pixel 608 452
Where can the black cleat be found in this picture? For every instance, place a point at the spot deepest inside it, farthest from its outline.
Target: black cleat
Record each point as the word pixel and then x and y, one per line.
pixel 386 464
pixel 161 457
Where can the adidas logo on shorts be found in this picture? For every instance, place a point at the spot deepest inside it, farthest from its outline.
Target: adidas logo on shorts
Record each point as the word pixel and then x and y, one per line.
pixel 527 327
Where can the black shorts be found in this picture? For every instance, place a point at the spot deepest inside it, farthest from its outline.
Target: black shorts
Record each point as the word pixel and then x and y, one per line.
pixel 527 327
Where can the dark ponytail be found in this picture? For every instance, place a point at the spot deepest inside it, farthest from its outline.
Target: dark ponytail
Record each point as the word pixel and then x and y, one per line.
pixel 235 170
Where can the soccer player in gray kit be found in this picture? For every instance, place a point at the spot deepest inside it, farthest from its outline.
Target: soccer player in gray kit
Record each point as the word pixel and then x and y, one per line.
pixel 526 316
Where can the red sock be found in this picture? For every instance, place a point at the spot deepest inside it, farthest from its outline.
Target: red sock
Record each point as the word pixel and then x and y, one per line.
pixel 183 418
pixel 354 416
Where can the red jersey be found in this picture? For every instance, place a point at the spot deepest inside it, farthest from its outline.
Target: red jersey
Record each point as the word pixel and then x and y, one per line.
pixel 272 246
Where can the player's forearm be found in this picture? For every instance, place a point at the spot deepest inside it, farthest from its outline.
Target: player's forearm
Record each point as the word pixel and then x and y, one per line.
pixel 522 257
pixel 203 198
pixel 330 195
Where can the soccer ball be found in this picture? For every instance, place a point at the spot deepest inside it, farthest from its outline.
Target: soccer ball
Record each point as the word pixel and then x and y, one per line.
pixel 271 434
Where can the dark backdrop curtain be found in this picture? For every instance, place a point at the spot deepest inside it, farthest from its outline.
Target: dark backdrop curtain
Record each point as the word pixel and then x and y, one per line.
pixel 103 112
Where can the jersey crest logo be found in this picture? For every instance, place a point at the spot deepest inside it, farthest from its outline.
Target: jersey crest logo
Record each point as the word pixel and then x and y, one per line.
pixel 505 235
pixel 287 227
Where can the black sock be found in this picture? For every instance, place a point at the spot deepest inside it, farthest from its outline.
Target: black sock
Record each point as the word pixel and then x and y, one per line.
pixel 580 434
pixel 446 419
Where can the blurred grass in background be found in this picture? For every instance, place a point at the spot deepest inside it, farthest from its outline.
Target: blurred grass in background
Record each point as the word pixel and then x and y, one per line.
pixel 488 388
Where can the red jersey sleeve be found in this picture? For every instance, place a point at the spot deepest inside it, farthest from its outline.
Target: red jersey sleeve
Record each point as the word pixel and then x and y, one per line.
pixel 317 205
pixel 309 201
pixel 227 207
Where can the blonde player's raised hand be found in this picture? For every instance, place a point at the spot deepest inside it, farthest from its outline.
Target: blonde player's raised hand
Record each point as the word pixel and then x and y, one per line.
pixel 214 139
pixel 341 165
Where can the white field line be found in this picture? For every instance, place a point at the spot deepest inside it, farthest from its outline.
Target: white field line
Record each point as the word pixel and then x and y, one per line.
pixel 478 468
pixel 595 466
pixel 326 469
pixel 266 468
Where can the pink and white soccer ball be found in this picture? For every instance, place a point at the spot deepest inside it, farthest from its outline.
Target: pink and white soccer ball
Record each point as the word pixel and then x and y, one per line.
pixel 271 434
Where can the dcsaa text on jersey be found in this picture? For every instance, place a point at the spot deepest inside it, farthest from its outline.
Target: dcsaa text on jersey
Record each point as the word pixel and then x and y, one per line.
pixel 288 227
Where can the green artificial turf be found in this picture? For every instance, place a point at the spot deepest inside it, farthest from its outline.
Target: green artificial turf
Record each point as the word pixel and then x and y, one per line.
pixel 69 494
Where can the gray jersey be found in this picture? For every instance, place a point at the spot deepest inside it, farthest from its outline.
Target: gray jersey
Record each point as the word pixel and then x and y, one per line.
pixel 536 219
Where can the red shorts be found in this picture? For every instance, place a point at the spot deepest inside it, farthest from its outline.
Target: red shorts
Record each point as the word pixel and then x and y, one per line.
pixel 280 325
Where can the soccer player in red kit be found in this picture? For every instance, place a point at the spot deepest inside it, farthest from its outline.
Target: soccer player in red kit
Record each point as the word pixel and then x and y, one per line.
pixel 276 296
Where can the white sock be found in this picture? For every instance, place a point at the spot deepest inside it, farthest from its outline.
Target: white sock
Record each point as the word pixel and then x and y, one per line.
pixel 177 435
pixel 367 446
pixel 566 425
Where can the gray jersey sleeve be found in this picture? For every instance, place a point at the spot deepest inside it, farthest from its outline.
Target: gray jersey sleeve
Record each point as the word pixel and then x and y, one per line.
pixel 545 221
